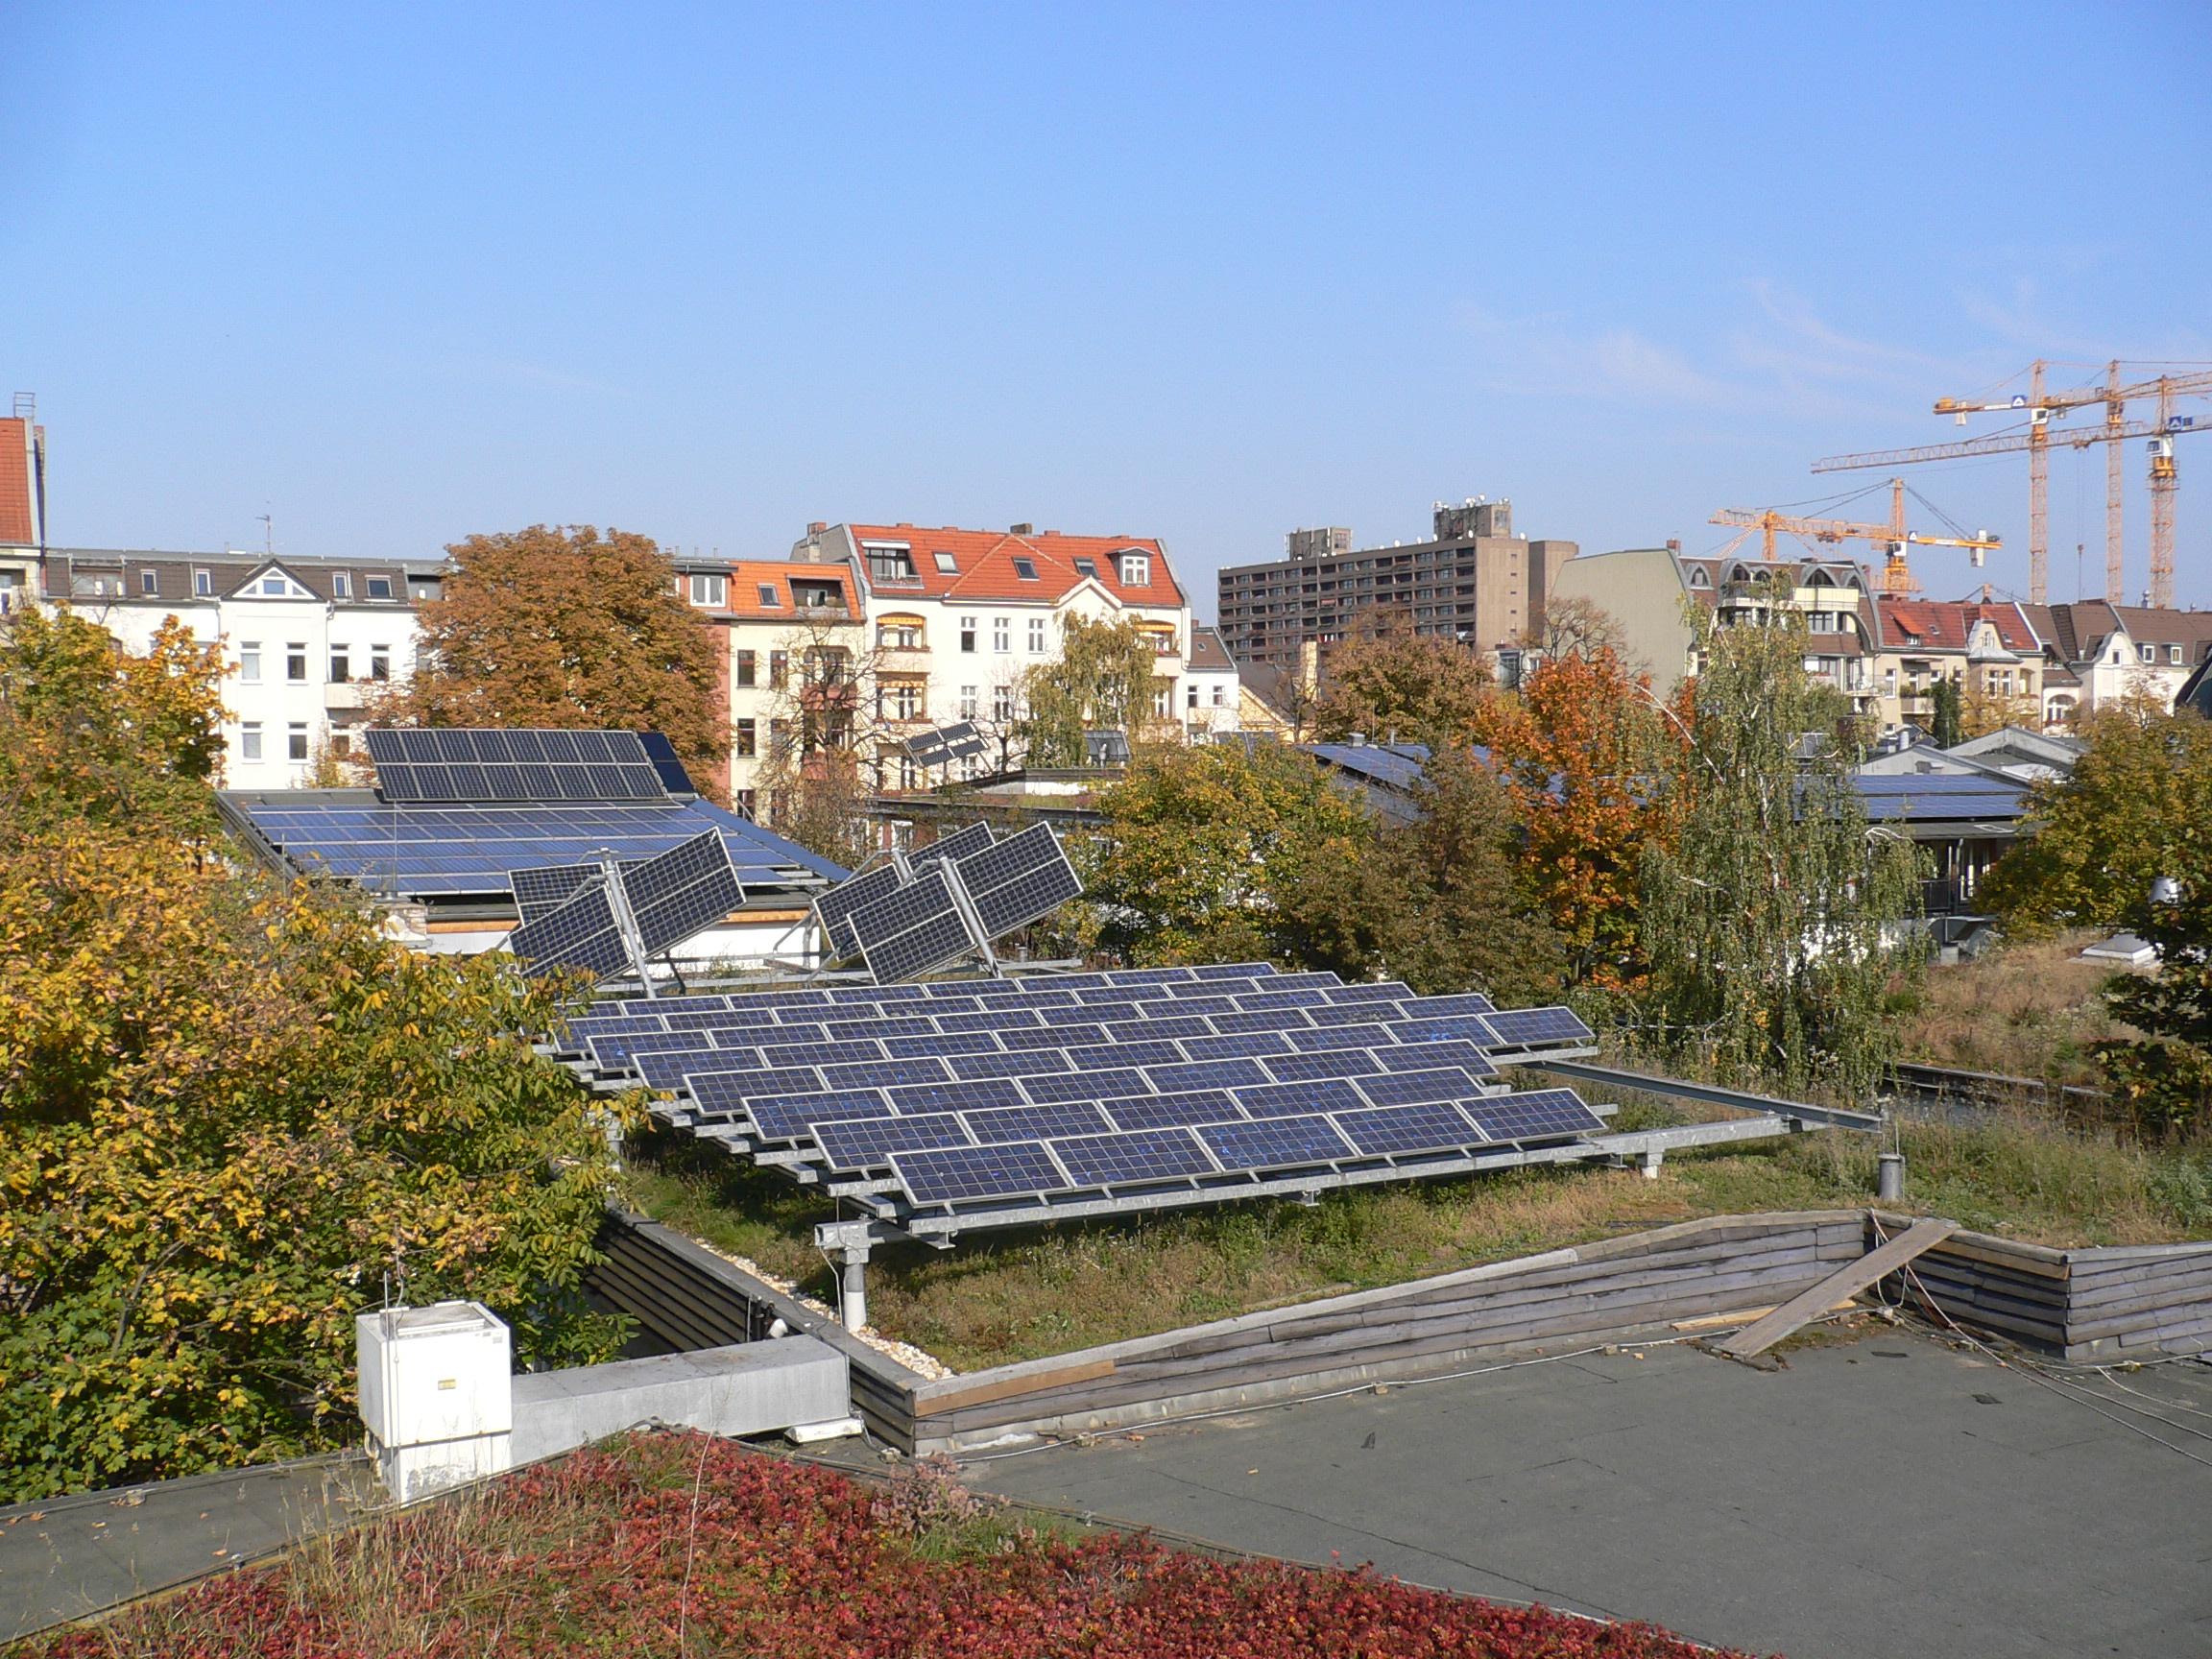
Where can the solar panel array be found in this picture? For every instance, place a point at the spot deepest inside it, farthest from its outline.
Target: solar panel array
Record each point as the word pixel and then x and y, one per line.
pixel 905 924
pixel 912 928
pixel 969 838
pixel 501 765
pixel 945 744
pixel 685 891
pixel 966 1102
pixel 1021 879
pixel 581 933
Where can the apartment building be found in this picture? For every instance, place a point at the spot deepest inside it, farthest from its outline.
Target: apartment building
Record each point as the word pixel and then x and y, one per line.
pixel 1211 700
pixel 1473 581
pixel 955 619
pixel 306 641
pixel 2097 654
pixel 1988 649
pixel 791 642
pixel 22 506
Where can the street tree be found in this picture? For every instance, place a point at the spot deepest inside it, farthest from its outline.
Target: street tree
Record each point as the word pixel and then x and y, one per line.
pixel 1768 919
pixel 1393 685
pixel 566 627
pixel 1103 679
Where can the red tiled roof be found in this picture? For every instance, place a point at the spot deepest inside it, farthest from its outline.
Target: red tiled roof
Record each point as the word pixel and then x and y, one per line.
pixel 18 520
pixel 748 576
pixel 1948 624
pixel 986 573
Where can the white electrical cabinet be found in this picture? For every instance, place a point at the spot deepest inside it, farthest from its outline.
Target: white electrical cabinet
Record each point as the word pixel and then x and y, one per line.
pixel 436 1394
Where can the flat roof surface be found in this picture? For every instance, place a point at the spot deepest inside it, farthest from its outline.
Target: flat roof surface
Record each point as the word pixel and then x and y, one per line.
pixel 1883 1498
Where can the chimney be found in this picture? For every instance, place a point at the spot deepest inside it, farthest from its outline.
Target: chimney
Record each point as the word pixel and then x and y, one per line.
pixel 1021 529
pixel 1673 544
pixel 817 527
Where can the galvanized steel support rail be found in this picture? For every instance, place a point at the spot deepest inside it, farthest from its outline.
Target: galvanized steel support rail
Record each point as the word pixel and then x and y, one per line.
pixel 1712 1095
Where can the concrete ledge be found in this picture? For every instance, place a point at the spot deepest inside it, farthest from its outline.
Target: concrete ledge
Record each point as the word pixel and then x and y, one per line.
pixel 751 1388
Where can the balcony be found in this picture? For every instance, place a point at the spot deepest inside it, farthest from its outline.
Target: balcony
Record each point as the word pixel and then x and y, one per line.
pixel 902 659
pixel 348 694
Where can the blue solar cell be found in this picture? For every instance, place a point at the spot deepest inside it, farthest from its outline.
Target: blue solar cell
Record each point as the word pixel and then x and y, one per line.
pixel 1537 1114
pixel 1204 1074
pixel 951 1174
pixel 1516 1026
pixel 1290 1099
pixel 1279 1142
pixel 1020 1064
pixel 1384 991
pixel 1430 1007
pixel 1422 1056
pixel 1310 976
pixel 1353 1014
pixel 1035 1122
pixel 952 1042
pixel 885 1073
pixel 1432 1126
pixel 1235 970
pixel 990 1019
pixel 665 1071
pixel 727 1090
pixel 608 1054
pixel 1272 1020
pixel 1455 1027
pixel 1354 1035
pixel 1162 1027
pixel 1071 981
pixel 1182 1006
pixel 819 1053
pixel 1163 1111
pixel 798 1029
pixel 895 1026
pixel 957 1096
pixel 1237 1045
pixel 1329 1063
pixel 1082 1085
pixel 1207 990
pixel 1131 1053
pixel 958 987
pixel 1052 1036
pixel 1134 1012
pixel 1405 1087
pixel 1148 975
pixel 1132 1159
pixel 1288 997
pixel 939 1008
pixel 1117 997
pixel 866 1143
pixel 791 1117
pixel 613 1025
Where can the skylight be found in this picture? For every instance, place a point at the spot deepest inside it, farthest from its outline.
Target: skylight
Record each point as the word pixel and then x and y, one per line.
pixel 1026 569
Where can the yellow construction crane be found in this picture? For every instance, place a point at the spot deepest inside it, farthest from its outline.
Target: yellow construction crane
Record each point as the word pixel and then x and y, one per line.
pixel 1893 536
pixel 2043 408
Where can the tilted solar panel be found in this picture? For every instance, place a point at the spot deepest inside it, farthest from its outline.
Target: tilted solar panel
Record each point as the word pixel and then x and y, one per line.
pixel 1329 1063
pixel 954 1173
pixel 1204 1074
pixel 1420 1056
pixel 967 838
pixel 1237 1045
pixel 1021 879
pixel 581 933
pixel 866 1143
pixel 835 908
pixel 1286 1142
pixel 1018 1064
pixel 1167 1111
pixel 1081 1084
pixel 539 892
pixel 1433 1127
pixel 682 892
pixel 1233 971
pixel 1521 1025
pixel 1538 1115
pixel 905 933
pixel 1407 1087
pixel 1132 1158
pixel 1035 1122
pixel 791 1117
pixel 986 1092
pixel 1294 1100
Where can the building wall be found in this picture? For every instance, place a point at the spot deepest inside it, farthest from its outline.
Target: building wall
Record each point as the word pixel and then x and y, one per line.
pixel 1643 590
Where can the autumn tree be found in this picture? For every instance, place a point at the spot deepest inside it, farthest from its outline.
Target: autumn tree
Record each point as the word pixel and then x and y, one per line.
pixel 2164 1077
pixel 565 626
pixel 1766 919
pixel 1399 687
pixel 1102 680
pixel 230 1110
pixel 2133 808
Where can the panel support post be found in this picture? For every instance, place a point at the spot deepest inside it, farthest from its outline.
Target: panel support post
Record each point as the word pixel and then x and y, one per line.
pixel 1654 1157
pixel 852 1285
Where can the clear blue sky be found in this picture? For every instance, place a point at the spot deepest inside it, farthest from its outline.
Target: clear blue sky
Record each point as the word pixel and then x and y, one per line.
pixel 397 274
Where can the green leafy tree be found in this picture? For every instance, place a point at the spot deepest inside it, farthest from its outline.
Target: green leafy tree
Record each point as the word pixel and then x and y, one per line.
pixel 567 628
pixel 2137 800
pixel 2165 1076
pixel 1102 680
pixel 230 1109
pixel 1202 845
pixel 1947 720
pixel 1765 920
pixel 1399 687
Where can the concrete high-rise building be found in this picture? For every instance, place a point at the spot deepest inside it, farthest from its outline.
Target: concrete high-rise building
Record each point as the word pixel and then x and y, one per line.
pixel 1473 581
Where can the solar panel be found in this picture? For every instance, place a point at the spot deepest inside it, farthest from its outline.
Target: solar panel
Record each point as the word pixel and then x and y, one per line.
pixel 789 1116
pixel 1035 1122
pixel 963 739
pixel 1273 1020
pixel 821 1053
pixel 661 755
pixel 1082 1086
pixel 1020 1064
pixel 1161 1026
pixel 1427 1007
pixel 1237 1045
pixel 1538 1025
pixel 945 1043
pixel 835 908
pixel 884 1073
pixel 682 892
pixel 539 892
pixel 1420 1056
pixel 946 1176
pixel 1204 1074
pixel 1055 1036
pixel 1433 1127
pixel 1405 1087
pixel 581 933
pixel 1021 879
pixel 991 1020
pixel 1386 991
pixel 1176 975
pixel 1455 1027
pixel 986 1092
pixel 1138 1053
pixel 865 1143
pixel 1166 1111
pixel 1233 971
pixel 882 1025
pixel 967 838
pixel 414 765
pixel 727 1090
pixel 907 932
pixel 1131 1158
pixel 1538 1114
pixel 1291 1099
pixel 1287 1141
pixel 1329 1063
pixel 927 749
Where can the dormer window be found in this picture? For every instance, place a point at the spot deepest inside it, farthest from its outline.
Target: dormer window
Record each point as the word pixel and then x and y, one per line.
pixel 1087 567
pixel 2172 653
pixel 341 585
pixel 709 590
pixel 946 564
pixel 379 587
pixel 769 598
pixel 890 564
pixel 204 584
pixel 1026 569
pixel 1136 569
pixel 149 583
pixel 275 587
pixel 2149 653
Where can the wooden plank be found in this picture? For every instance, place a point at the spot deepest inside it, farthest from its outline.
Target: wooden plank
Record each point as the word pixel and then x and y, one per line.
pixel 1848 1280
pixel 1011 1387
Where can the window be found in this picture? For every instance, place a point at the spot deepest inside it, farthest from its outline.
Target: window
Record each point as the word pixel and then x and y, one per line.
pixel 1136 570
pixel 894 565
pixel 249 662
pixel 1162 703
pixel 341 745
pixel 379 587
pixel 379 662
pixel 769 599
pixel 1036 635
pixel 275 587
pixel 1220 696
pixel 748 803
pixel 1001 634
pixel 1002 703
pixel 341 666
pixel 946 564
pixel 966 633
pixel 204 584
pixel 249 740
pixel 899 700
pixel 1087 567
pixel 341 586
pixel 2172 653
pixel 779 668
pixel 295 741
pixel 901 634
pixel 1191 696
pixel 2149 653
pixel 746 737
pixel 149 583
pixel 748 667
pixel 709 590
pixel 967 702
pixel 1024 569
pixel 296 662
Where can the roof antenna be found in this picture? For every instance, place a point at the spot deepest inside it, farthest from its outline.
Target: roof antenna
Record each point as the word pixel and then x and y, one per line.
pixel 267 534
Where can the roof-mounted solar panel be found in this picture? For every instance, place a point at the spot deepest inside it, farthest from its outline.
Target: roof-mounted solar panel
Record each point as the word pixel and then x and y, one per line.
pixel 967 839
pixel 581 933
pixel 1021 879
pixel 483 764
pixel 906 932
